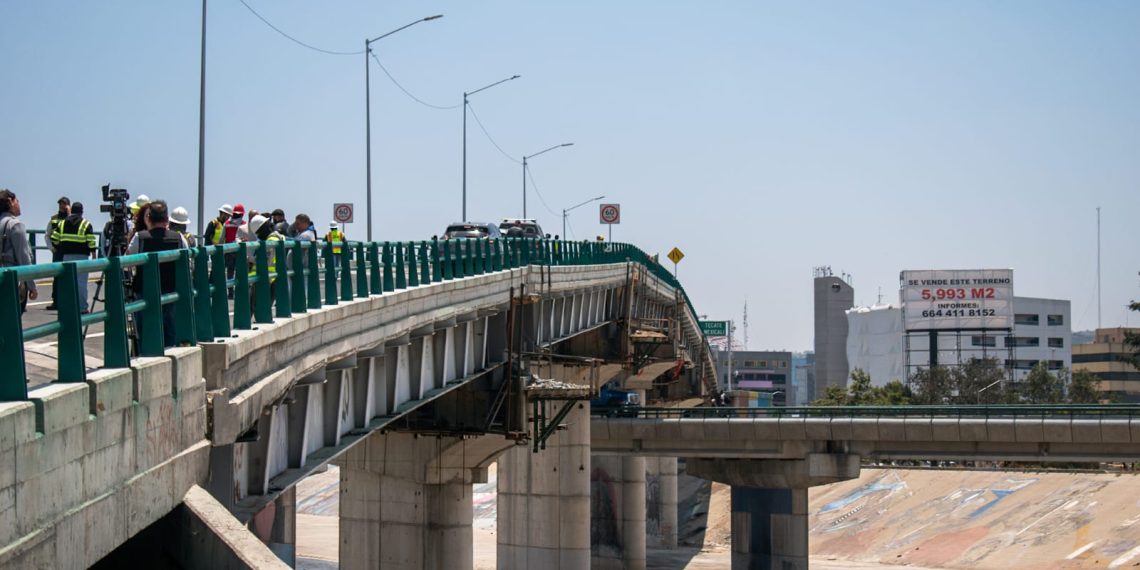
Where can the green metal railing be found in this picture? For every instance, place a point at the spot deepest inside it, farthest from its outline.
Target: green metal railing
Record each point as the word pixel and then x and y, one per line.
pixel 978 411
pixel 283 278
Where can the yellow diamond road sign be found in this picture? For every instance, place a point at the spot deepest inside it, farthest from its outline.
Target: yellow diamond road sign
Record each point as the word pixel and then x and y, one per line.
pixel 676 255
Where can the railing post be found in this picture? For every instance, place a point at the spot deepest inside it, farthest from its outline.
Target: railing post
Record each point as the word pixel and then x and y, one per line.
pixel 413 271
pixel 116 350
pixel 13 375
pixel 477 256
pixel 361 271
pixel 437 269
pixel 376 283
pixel 389 282
pixel 345 272
pixel 330 274
pixel 203 319
pixel 72 367
pixel 425 270
pixel 151 338
pixel 455 259
pixel 468 258
pixel 401 275
pixel 281 285
pixel 243 314
pixel 263 299
pixel 313 274
pixel 184 307
pixel 220 305
pixel 297 283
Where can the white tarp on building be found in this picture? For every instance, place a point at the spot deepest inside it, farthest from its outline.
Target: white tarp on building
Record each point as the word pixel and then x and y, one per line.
pixel 874 342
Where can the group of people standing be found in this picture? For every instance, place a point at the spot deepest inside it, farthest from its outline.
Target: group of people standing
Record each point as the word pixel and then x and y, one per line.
pixel 150 227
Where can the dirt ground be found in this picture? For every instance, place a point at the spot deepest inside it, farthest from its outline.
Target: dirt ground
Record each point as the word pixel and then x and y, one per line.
pixel 886 519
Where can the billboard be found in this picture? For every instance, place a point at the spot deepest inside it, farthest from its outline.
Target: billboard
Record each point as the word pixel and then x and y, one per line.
pixel 970 299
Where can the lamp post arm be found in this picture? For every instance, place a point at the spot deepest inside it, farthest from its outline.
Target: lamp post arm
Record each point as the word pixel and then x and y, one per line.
pixel 469 93
pixel 401 28
pixel 547 150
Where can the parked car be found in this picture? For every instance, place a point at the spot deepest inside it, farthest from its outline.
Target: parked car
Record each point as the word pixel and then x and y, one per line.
pixel 518 227
pixel 471 230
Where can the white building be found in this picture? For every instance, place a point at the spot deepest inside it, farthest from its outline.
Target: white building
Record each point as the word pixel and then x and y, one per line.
pixel 878 344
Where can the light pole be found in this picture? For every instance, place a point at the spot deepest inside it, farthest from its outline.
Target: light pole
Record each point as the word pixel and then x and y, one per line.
pixel 525 158
pixel 202 131
pixel 570 209
pixel 467 94
pixel 368 116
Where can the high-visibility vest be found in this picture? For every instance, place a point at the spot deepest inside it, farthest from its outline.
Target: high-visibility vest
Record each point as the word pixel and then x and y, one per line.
pixel 335 237
pixel 270 256
pixel 219 226
pixel 82 235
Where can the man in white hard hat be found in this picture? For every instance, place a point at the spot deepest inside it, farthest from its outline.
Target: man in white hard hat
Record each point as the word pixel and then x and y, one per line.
pixel 180 222
pixel 214 230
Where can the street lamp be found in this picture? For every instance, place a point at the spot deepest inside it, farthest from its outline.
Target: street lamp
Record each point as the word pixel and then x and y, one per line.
pixel 525 158
pixel 570 209
pixel 368 115
pixel 467 94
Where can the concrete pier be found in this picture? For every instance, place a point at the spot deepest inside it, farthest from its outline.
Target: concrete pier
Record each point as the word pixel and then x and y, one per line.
pixel 661 501
pixel 544 500
pixel 406 500
pixel 618 513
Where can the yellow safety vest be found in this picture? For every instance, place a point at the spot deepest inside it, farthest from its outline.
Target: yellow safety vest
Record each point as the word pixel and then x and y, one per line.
pixel 81 235
pixel 218 227
pixel 335 237
pixel 270 256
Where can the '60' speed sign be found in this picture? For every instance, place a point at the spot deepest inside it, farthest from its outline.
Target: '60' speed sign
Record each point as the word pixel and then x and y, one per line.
pixel 610 213
pixel 342 213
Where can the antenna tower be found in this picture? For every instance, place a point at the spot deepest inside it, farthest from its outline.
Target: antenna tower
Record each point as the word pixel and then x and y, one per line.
pixel 746 324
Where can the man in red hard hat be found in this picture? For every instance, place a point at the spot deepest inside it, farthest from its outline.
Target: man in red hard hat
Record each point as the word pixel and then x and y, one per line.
pixel 230 235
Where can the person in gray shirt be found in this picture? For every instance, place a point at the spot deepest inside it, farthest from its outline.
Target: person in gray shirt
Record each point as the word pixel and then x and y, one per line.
pixel 14 249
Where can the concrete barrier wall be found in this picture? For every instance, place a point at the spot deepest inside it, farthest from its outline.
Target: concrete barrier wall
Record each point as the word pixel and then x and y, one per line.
pixel 85 466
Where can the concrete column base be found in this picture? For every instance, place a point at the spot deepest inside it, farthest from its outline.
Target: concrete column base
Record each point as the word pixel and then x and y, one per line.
pixel 769 529
pixel 544 501
pixel 661 501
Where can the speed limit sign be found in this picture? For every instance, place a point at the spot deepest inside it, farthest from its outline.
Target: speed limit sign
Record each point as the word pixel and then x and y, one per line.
pixel 342 213
pixel 609 213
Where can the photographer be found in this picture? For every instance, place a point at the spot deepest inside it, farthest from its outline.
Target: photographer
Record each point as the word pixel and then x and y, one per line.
pixel 158 237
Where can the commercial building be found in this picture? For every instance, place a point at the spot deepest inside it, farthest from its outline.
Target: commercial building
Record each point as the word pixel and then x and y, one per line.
pixel 878 343
pixel 767 372
pixel 833 297
pixel 803 376
pixel 1109 358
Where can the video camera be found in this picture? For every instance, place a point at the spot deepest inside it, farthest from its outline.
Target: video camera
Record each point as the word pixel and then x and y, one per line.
pixel 115 234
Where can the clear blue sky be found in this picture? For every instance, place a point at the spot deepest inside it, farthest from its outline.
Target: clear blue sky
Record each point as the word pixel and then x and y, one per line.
pixel 760 138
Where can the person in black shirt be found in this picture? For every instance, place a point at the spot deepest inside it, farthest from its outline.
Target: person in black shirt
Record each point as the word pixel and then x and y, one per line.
pixel 158 237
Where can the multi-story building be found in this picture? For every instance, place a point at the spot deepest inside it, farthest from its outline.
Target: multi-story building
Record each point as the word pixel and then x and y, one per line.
pixel 878 342
pixel 803 374
pixel 833 297
pixel 758 371
pixel 1109 358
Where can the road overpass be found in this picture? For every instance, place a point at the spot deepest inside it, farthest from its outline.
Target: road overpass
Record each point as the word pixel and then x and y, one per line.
pixel 413 366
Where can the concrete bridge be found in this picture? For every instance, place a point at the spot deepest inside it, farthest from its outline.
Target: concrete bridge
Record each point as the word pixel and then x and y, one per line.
pixel 414 366
pixel 411 365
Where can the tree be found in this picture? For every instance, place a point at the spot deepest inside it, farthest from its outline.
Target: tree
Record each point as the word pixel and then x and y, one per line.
pixel 860 391
pixel 1132 340
pixel 1042 387
pixel 980 381
pixel 835 395
pixel 894 393
pixel 934 385
pixel 1085 388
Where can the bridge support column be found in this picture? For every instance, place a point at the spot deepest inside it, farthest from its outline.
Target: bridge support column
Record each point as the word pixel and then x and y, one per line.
pixel 661 500
pixel 406 500
pixel 769 504
pixel 769 529
pixel 617 529
pixel 544 500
